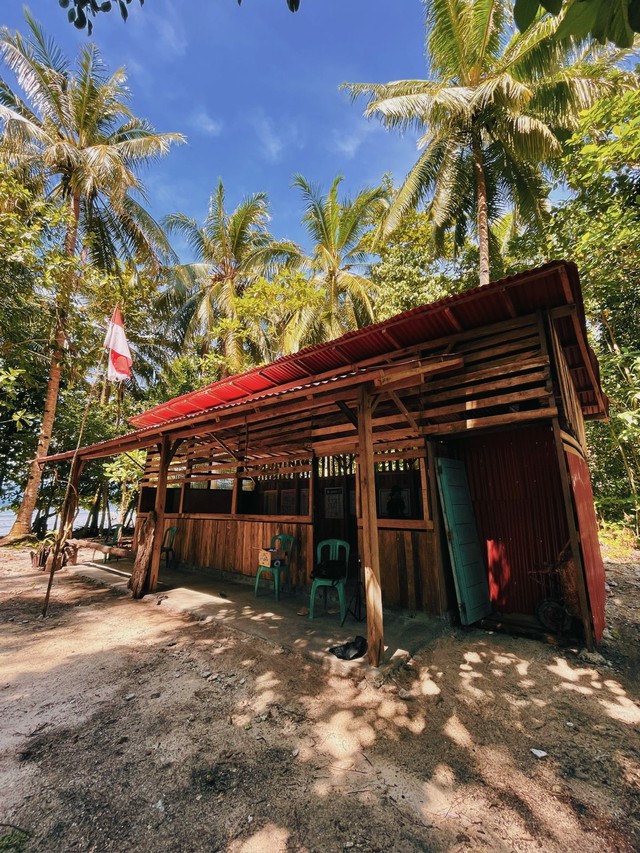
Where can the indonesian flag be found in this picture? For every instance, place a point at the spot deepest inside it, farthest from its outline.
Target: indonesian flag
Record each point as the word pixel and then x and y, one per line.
pixel 119 353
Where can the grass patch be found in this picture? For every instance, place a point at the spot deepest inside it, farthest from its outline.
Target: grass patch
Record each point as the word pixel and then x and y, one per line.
pixel 618 543
pixel 14 841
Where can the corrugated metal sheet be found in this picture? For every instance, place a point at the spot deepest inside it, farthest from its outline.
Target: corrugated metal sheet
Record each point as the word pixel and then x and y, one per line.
pixel 588 530
pixel 550 286
pixel 517 495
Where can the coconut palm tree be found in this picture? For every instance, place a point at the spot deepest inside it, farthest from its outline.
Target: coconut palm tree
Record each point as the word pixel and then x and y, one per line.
pixel 74 133
pixel 492 114
pixel 341 232
pixel 232 250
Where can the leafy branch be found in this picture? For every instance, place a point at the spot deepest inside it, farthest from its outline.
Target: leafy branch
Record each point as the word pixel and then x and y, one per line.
pixel 80 12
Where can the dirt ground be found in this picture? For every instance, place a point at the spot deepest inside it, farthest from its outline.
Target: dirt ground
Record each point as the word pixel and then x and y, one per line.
pixel 126 728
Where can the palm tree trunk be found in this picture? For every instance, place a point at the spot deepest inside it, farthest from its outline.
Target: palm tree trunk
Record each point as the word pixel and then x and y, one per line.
pixel 22 525
pixel 483 211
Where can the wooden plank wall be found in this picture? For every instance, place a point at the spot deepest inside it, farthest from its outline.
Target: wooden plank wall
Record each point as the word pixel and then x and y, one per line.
pixel 409 570
pixel 571 410
pixel 231 545
pixel 408 559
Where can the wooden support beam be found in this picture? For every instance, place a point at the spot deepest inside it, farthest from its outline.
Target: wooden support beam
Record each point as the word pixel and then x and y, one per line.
pixel 225 447
pixel 370 547
pixel 346 411
pixel 402 408
pixel 386 331
pixel 161 498
pixel 457 325
pixel 444 364
pixel 508 302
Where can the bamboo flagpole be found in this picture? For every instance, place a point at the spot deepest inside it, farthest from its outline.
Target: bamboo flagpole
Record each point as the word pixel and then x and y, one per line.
pixel 118 369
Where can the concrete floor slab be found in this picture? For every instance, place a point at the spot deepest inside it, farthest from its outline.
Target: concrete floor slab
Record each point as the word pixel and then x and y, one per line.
pixel 213 596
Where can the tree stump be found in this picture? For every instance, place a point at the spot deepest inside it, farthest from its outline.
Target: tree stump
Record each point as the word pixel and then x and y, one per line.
pixel 39 557
pixel 142 563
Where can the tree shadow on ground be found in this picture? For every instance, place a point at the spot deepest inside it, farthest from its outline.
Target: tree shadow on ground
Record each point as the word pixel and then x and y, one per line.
pixel 190 736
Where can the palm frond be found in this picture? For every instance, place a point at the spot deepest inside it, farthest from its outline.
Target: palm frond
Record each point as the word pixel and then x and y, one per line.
pixel 449 26
pixel 417 185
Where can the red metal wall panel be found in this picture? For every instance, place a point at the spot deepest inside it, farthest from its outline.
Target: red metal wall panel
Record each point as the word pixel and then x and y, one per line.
pixel 517 496
pixel 588 530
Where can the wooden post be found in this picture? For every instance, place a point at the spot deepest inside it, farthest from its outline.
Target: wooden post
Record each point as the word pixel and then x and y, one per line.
pixel 311 543
pixel 574 538
pixel 370 548
pixel 66 520
pixel 185 485
pixel 77 467
pixel 161 499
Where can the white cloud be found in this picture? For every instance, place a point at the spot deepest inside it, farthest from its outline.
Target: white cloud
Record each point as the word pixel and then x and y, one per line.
pixel 274 138
pixel 349 142
pixel 164 30
pixel 271 142
pixel 202 122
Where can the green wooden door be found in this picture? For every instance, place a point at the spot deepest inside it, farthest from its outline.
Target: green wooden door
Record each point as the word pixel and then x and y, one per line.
pixel 469 571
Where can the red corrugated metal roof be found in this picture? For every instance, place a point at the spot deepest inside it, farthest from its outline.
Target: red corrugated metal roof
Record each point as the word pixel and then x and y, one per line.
pixel 549 286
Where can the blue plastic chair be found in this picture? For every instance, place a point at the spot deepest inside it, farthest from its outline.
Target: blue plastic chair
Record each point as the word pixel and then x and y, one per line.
pixel 334 546
pixel 287 542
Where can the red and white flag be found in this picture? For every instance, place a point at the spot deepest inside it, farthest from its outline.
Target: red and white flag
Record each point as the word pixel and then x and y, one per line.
pixel 119 353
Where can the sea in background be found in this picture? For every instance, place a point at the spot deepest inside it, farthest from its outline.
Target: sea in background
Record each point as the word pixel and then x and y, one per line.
pixel 7 518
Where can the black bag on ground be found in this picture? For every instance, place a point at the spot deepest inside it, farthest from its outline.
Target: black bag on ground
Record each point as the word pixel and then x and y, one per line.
pixel 350 651
pixel 330 570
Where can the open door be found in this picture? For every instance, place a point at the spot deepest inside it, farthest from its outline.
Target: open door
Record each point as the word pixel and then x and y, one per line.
pixel 469 570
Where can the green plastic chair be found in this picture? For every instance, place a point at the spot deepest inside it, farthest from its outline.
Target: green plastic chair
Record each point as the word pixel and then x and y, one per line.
pixel 112 538
pixel 287 542
pixel 167 545
pixel 334 546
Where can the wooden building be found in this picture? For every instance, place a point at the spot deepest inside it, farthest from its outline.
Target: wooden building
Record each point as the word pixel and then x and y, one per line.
pixel 446 444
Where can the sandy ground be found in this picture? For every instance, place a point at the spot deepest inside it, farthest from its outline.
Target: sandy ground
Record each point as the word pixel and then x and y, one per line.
pixel 126 728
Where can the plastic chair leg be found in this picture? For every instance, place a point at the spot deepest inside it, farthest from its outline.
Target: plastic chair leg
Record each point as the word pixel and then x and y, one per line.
pixel 276 583
pixel 284 571
pixel 259 572
pixel 343 603
pixel 314 587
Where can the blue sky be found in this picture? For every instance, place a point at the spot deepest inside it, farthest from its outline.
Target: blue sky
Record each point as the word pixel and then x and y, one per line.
pixel 255 89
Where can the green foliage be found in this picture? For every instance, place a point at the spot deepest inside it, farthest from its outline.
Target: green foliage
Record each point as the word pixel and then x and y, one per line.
pixel 73 131
pixel 411 272
pixel 491 117
pixel 234 251
pixel 342 232
pixel 81 12
pixel 614 21
pixel 599 228
pixel 30 265
pixel 269 310
pixel 125 472
pixel 14 841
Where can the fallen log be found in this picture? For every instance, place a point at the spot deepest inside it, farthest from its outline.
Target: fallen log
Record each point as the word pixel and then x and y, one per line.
pixel 112 550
